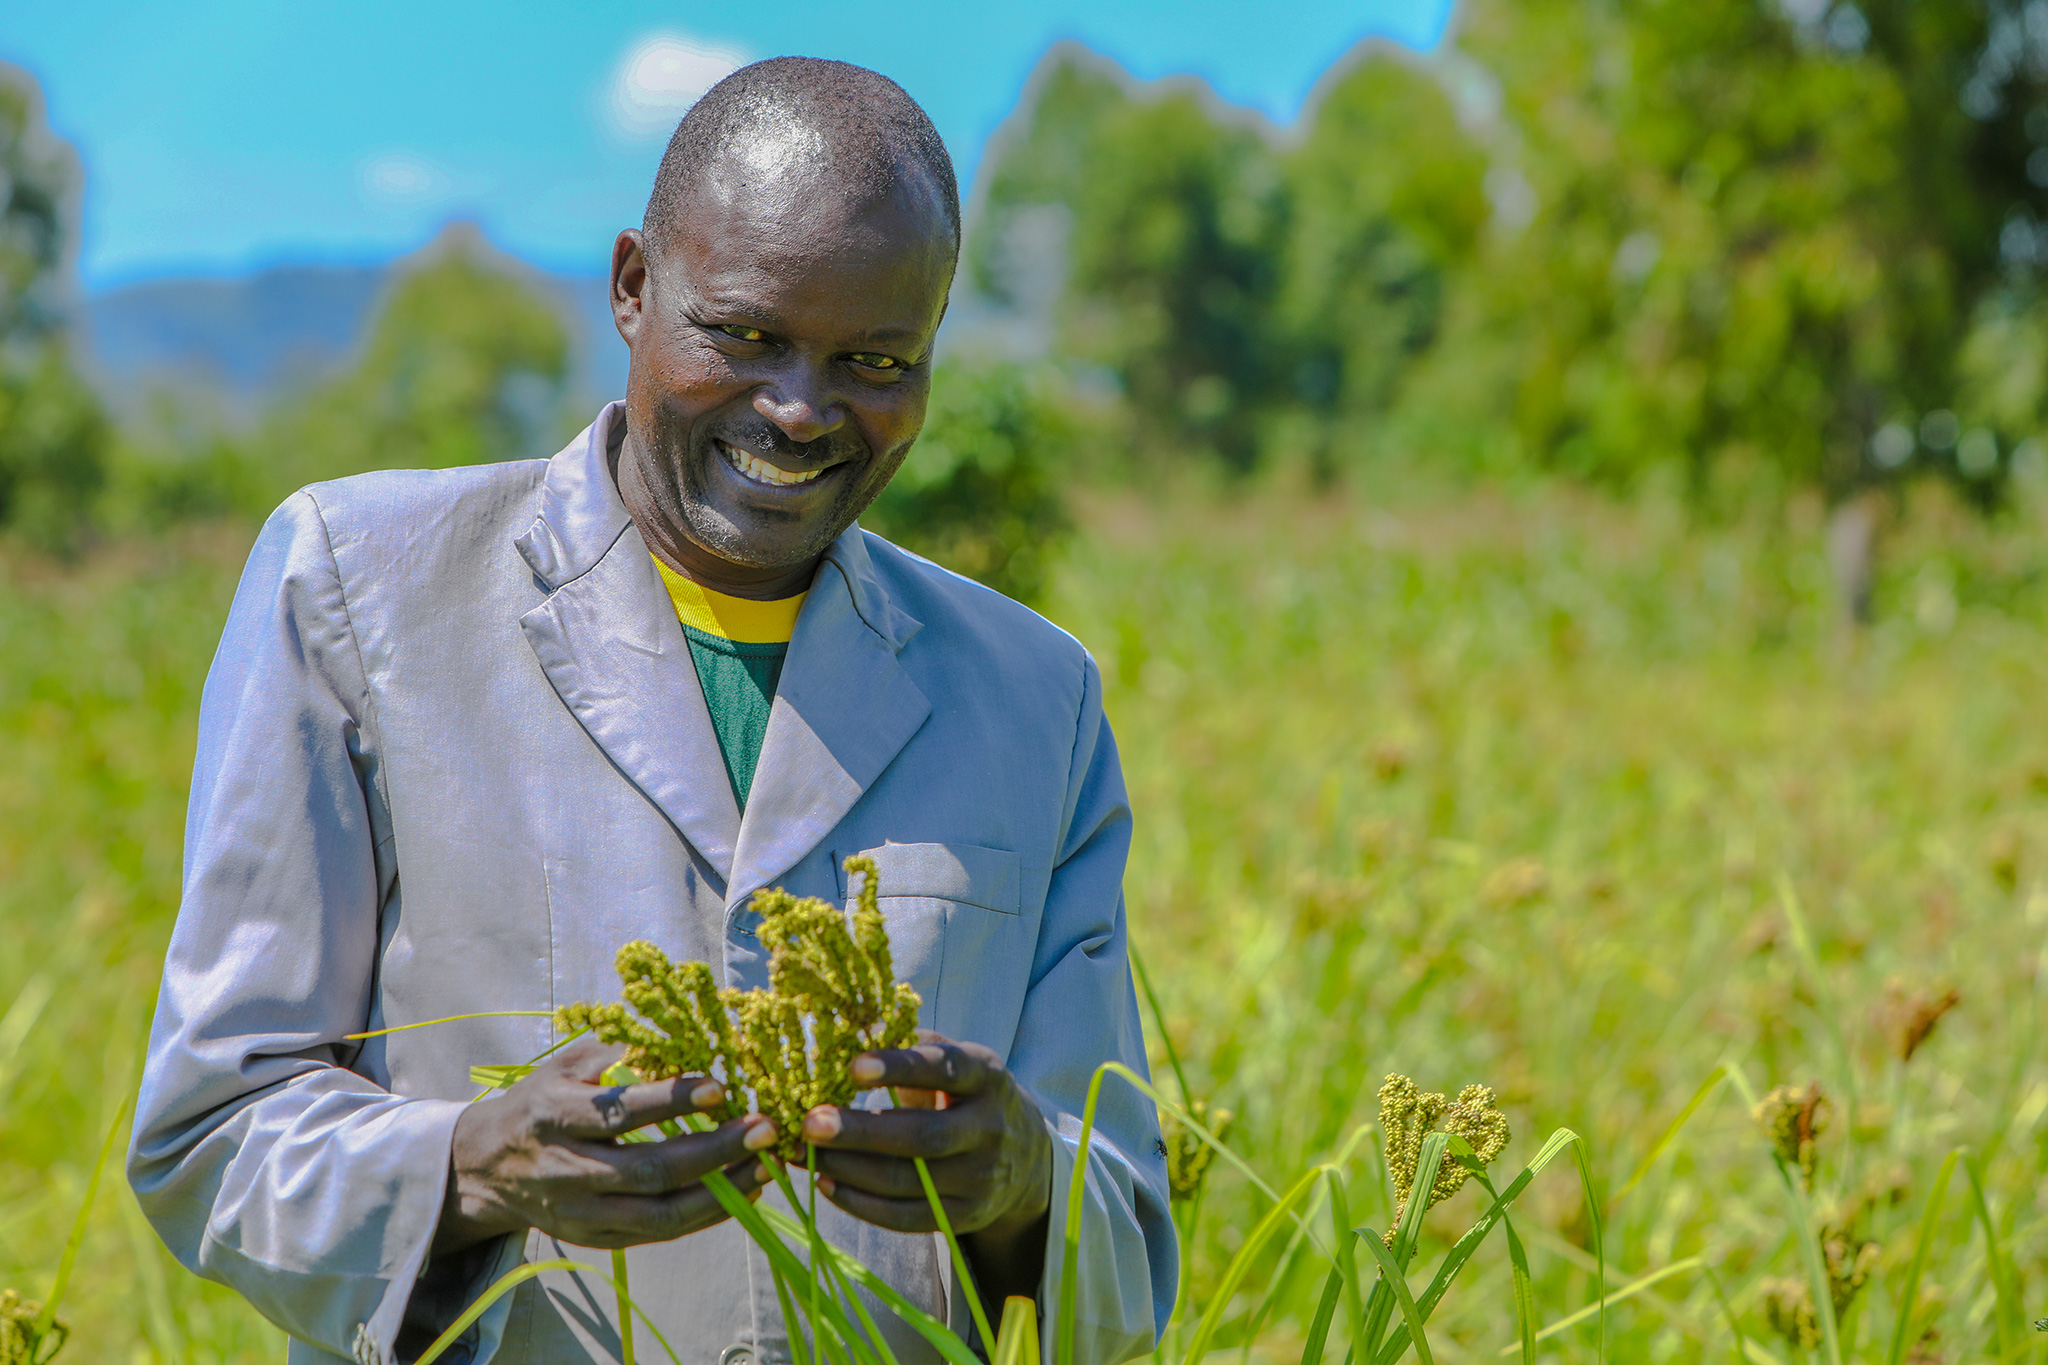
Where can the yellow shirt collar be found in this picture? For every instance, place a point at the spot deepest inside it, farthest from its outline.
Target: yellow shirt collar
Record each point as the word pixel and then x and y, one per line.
pixel 740 619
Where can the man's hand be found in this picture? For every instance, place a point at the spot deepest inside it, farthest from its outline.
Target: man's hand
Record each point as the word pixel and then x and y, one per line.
pixel 980 1135
pixel 546 1156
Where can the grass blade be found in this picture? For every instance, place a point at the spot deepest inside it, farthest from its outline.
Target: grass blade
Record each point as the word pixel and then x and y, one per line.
pixel 1909 1293
pixel 1670 1133
pixel 1241 1264
pixel 1742 1346
pixel 1379 1309
pixel 1063 1346
pixel 1397 1286
pixel 1808 1238
pixel 1326 1312
pixel 451 1019
pixel 1994 1263
pixel 1599 1241
pixel 1525 1292
pixel 1017 1343
pixel 1180 1077
pixel 973 1294
pixel 1434 1149
pixel 519 1275
pixel 1070 1270
pixel 1347 1255
pixel 48 1317
pixel 1461 1253
pixel 503 1285
pixel 20 1020
pixel 942 1339
pixel 1627 1291
pixel 625 1306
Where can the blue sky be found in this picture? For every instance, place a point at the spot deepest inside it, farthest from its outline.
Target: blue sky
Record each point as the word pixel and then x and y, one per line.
pixel 221 135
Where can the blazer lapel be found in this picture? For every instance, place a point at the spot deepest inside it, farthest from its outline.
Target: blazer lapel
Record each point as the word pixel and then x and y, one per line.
pixel 608 640
pixel 843 710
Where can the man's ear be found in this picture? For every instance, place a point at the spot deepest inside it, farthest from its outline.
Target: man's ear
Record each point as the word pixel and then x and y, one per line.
pixel 629 284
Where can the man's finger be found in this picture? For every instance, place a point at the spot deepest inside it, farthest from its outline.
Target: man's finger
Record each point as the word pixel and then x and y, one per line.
pixel 600 1111
pixel 956 1068
pixel 889 1177
pixel 622 1220
pixel 655 1168
pixel 929 1133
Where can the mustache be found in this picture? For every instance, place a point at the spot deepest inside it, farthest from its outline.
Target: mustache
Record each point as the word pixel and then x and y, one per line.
pixel 766 439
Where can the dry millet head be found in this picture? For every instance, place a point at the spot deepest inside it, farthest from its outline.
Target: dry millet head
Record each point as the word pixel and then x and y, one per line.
pixel 1794 1117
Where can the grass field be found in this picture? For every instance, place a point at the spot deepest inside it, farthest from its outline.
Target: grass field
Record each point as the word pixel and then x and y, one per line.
pixel 1571 798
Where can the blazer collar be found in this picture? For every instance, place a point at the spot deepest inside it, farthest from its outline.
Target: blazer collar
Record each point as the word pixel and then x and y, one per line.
pixel 581 516
pixel 608 640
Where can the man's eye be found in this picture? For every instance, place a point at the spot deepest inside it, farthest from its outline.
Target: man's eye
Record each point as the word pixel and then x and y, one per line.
pixel 738 333
pixel 871 361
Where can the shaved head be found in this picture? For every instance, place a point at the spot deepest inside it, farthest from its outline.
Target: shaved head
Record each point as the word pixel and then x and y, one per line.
pixel 843 129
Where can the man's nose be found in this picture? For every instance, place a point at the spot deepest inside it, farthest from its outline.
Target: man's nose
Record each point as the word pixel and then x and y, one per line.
pixel 802 404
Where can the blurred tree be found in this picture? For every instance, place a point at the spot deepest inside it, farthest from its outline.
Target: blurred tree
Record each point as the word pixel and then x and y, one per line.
pixel 1759 233
pixel 52 432
pixel 1386 198
pixel 1228 283
pixel 981 492
pixel 464 363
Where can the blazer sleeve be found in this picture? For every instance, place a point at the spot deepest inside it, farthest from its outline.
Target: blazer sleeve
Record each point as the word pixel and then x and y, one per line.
pixel 262 1160
pixel 1081 1010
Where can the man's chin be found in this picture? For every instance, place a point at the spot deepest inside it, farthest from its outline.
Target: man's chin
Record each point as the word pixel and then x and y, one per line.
pixel 762 542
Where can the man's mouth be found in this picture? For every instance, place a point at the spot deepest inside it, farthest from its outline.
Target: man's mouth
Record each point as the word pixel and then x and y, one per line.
pixel 760 471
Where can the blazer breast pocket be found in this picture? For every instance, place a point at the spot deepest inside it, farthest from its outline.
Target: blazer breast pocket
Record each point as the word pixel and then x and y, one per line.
pixel 955 928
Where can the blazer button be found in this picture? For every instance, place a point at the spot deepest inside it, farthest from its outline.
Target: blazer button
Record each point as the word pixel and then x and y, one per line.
pixel 736 1355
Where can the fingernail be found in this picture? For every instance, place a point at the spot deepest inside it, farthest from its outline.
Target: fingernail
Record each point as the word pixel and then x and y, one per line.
pixel 707 1094
pixel 866 1070
pixel 763 1173
pixel 759 1135
pixel 826 1186
pixel 822 1124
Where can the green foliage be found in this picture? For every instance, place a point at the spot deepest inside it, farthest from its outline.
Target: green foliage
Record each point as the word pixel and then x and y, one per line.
pixel 53 442
pixel 1385 202
pixel 1600 239
pixel 53 435
pixel 1224 282
pixel 1736 243
pixel 464 364
pixel 39 185
pixel 983 490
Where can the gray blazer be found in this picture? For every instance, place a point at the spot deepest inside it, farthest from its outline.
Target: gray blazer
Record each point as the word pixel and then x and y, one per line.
pixel 452 753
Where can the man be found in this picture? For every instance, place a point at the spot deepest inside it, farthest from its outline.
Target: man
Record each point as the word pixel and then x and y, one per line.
pixel 469 731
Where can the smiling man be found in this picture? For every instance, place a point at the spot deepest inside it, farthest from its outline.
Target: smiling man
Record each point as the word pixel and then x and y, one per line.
pixel 468 731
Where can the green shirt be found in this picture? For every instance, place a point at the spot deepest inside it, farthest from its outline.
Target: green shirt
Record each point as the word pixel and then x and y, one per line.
pixel 738 645
pixel 738 679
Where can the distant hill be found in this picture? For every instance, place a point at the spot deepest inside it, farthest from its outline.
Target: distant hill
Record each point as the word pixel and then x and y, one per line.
pixel 251 337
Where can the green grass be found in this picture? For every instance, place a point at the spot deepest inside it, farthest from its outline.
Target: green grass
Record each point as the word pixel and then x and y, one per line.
pixel 1569 798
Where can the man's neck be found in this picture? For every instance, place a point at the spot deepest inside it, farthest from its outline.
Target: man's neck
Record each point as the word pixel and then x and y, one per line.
pixel 672 547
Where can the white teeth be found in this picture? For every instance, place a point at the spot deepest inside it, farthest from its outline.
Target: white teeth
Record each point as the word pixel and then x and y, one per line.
pixel 760 471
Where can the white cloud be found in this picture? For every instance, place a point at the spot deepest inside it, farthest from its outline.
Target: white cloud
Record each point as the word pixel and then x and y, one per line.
pixel 659 78
pixel 400 178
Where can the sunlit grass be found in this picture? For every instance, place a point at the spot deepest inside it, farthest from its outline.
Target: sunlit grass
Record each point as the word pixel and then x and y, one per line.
pixel 1516 790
